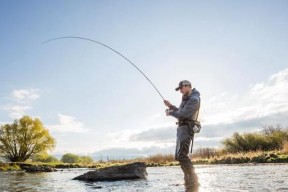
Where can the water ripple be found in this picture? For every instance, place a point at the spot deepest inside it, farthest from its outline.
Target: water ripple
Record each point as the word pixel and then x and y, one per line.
pixel 213 178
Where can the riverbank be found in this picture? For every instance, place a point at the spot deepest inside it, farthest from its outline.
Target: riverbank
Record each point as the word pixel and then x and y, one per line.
pixel 250 157
pixel 223 158
pixel 19 166
pixel 164 160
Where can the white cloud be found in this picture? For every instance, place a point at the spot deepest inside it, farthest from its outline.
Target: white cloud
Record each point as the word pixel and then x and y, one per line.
pixel 21 102
pixel 25 95
pixel 3 123
pixel 262 99
pixel 17 111
pixel 67 124
pixel 271 96
pixel 156 135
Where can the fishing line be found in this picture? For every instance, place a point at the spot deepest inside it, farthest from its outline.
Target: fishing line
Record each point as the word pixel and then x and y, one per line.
pixel 86 39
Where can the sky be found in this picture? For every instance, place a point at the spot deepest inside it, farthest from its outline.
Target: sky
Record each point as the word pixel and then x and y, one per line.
pixel 96 103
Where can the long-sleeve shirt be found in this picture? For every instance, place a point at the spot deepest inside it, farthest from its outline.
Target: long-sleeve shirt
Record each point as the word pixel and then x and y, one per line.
pixel 189 107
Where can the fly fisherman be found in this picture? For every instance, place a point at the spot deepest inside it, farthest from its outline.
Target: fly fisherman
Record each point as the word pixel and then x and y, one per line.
pixel 186 115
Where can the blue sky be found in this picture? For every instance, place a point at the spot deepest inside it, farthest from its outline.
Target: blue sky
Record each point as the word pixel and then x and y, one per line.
pixel 93 101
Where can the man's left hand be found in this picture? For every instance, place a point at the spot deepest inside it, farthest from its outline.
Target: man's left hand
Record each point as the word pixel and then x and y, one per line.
pixel 167 103
pixel 167 112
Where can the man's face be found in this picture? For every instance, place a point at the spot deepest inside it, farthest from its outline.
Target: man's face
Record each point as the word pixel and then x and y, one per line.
pixel 185 90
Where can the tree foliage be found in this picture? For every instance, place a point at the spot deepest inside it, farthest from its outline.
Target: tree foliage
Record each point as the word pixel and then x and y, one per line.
pixel 72 158
pixel 86 159
pixel 24 138
pixel 45 158
pixel 271 138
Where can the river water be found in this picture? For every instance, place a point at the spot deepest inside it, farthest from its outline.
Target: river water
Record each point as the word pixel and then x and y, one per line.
pixel 213 178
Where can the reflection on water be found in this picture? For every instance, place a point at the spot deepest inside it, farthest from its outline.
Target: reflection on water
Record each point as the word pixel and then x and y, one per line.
pixel 212 178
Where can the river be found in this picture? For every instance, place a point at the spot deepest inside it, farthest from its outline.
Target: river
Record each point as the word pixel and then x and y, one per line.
pixel 213 178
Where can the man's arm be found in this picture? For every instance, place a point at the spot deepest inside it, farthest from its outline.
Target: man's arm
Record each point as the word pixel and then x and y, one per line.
pixel 188 110
pixel 171 107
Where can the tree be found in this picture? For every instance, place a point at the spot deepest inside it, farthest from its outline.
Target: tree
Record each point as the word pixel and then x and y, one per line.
pixel 45 158
pixel 86 159
pixel 24 138
pixel 70 158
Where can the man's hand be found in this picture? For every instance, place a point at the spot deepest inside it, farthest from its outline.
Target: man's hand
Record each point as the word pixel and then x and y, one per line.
pixel 167 103
pixel 167 111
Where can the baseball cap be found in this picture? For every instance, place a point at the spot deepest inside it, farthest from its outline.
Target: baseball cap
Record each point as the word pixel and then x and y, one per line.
pixel 183 83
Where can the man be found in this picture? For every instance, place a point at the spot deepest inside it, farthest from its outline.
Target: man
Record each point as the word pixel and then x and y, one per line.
pixel 187 115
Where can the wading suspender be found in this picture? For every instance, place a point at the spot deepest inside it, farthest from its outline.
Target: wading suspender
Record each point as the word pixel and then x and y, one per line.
pixel 192 137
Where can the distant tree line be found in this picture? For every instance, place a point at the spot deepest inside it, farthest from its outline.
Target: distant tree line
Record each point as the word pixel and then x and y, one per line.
pixel 72 158
pixel 44 158
pixel 66 158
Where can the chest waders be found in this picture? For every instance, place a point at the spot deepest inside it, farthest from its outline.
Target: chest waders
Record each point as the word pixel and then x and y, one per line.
pixel 193 125
pixel 190 176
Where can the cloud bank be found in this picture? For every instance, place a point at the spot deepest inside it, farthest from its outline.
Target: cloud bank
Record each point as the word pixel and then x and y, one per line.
pixel 67 124
pixel 21 101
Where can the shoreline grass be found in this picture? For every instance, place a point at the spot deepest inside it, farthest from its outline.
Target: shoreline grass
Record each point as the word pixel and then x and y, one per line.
pixel 248 157
pixel 166 160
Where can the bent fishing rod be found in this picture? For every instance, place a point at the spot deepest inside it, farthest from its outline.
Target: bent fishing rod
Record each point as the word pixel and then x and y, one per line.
pixel 104 45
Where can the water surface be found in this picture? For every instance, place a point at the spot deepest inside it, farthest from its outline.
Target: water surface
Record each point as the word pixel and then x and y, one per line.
pixel 213 178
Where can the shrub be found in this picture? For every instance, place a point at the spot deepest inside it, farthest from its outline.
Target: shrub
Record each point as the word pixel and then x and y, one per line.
pixel 70 158
pixel 271 138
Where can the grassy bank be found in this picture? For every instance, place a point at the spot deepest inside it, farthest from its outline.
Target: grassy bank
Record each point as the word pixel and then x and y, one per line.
pixel 167 160
pixel 228 158
pixel 9 167
pixel 249 157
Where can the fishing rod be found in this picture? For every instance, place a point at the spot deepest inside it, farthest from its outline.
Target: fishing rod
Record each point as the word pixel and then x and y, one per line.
pixel 91 40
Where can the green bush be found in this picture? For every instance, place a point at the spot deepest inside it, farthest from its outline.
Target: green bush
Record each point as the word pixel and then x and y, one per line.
pixel 9 167
pixel 271 138
pixel 70 158
pixel 45 158
pixel 86 159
